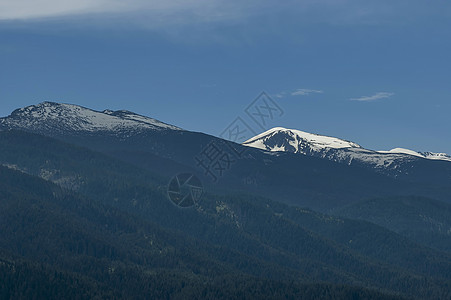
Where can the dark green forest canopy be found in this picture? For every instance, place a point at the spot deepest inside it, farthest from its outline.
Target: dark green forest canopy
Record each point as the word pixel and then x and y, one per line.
pixel 115 234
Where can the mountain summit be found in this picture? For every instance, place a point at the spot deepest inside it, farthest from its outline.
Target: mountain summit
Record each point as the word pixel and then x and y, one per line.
pixel 60 118
pixel 296 141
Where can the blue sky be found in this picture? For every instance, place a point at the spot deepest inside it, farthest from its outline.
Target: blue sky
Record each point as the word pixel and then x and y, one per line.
pixel 374 72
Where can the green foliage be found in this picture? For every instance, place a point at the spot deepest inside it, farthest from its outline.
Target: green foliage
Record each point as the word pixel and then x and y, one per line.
pixel 421 219
pixel 106 228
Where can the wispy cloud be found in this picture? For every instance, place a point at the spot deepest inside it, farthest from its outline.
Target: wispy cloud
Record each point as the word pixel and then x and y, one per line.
pixel 44 9
pixel 305 92
pixel 280 95
pixel 377 96
pixel 334 11
pixel 297 92
pixel 29 9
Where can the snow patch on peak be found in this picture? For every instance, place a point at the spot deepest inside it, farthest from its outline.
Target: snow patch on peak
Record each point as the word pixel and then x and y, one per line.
pixel 437 156
pixel 296 139
pixel 403 151
pixel 426 155
pixel 58 116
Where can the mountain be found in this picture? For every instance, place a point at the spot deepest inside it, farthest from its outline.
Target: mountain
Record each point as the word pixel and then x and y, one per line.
pixel 84 205
pixel 335 149
pixel 114 232
pixel 48 116
pixel 303 180
pixel 296 141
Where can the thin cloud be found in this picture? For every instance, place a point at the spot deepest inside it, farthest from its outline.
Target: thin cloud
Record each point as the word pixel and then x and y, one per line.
pixel 305 92
pixel 280 95
pixel 377 96
pixel 196 10
pixel 298 92
pixel 44 9
pixel 331 11
pixel 30 9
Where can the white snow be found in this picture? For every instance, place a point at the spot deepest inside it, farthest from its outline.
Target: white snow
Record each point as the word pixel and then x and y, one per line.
pixel 277 148
pixel 68 116
pixel 138 118
pixel 317 142
pixel 334 148
pixel 437 156
pixel 426 155
pixel 260 144
pixel 403 151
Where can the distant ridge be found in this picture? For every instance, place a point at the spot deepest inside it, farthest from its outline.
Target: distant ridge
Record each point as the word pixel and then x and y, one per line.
pixel 68 117
pixel 280 139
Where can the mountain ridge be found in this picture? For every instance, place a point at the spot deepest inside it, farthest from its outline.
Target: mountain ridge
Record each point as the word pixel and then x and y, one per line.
pixel 300 141
pixel 396 162
pixel 116 184
pixel 47 116
pixel 322 181
pixel 234 222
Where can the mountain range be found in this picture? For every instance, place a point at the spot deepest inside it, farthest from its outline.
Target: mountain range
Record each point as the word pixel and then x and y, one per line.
pixel 296 141
pixel 84 195
pixel 298 179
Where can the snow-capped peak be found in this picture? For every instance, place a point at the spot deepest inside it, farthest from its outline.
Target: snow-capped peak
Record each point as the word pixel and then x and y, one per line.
pixel 296 141
pixel 61 117
pixel 427 155
pixel 291 140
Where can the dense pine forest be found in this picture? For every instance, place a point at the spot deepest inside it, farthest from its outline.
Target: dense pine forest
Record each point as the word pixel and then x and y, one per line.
pixel 79 224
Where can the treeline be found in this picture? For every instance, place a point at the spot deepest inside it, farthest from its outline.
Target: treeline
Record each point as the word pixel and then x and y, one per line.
pixel 24 280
